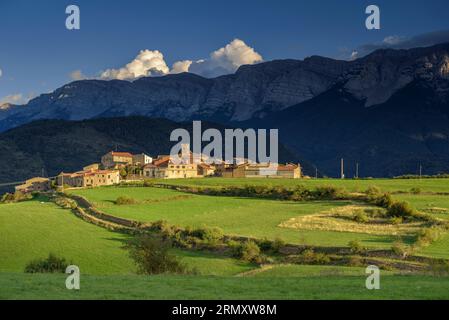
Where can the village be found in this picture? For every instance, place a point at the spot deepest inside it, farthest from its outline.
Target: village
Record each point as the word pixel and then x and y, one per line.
pixel 116 167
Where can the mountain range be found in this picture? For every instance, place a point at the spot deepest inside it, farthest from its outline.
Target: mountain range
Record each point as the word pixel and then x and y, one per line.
pixel 387 111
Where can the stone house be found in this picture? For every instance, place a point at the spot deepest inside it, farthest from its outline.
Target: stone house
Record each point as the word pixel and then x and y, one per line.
pixel 37 184
pixel 90 178
pixel 205 170
pixel 141 159
pixel 163 168
pixel 116 160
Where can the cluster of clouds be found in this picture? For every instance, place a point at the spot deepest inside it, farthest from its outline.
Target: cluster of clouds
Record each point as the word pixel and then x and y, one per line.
pixel 399 42
pixel 148 63
pixel 17 98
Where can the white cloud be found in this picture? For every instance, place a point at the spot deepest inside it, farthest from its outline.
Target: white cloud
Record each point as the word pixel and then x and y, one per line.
pixel 399 42
pixel 226 60
pixel 151 63
pixel 181 66
pixel 77 75
pixel 354 55
pixel 17 98
pixel 147 63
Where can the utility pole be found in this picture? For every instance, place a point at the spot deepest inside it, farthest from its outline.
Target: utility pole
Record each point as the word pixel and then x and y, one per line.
pixel 420 171
pixel 342 168
pixel 357 170
pixel 316 173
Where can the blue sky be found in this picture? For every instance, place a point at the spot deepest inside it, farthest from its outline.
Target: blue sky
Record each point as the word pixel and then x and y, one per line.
pixel 38 54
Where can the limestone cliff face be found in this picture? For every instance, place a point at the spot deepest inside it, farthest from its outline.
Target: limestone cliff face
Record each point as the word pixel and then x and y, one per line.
pixel 253 92
pixel 378 76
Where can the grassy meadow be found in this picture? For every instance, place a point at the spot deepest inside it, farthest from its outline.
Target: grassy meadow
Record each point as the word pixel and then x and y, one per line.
pixel 390 185
pixel 33 229
pixel 307 286
pixel 257 218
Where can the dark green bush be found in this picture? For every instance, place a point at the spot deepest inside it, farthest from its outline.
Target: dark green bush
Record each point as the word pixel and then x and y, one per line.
pixel 250 251
pixel 51 264
pixel 310 257
pixel 428 235
pixel 381 200
pixel 247 251
pixel 396 220
pixel 123 200
pixel 373 190
pixel 360 216
pixel 356 247
pixel 152 256
pixel 401 209
pixel 401 249
pixel 211 235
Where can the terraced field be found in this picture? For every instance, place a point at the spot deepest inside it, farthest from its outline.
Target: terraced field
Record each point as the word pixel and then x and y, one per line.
pixel 33 229
pixel 236 216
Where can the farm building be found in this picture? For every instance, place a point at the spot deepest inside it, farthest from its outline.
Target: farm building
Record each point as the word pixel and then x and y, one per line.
pixel 35 184
pixel 90 178
pixel 115 160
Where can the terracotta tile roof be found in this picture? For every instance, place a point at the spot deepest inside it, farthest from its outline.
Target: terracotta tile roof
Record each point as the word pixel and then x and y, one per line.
pixel 162 161
pixel 288 167
pixel 121 154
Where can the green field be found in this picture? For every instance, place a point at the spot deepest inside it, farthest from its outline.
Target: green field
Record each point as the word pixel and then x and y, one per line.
pixel 236 216
pixel 391 185
pixel 305 286
pixel 32 229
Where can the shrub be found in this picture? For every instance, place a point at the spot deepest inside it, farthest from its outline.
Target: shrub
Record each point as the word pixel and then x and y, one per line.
pixel 356 247
pixel 66 203
pixel 401 209
pixel 211 235
pixel 355 261
pixel 123 200
pixel 375 212
pixel 396 220
pixel 265 245
pixel 271 246
pixel 401 249
pixel 360 217
pixel 151 255
pixel 373 190
pixel 329 193
pixel 308 256
pixel 278 244
pixel 15 197
pixel 250 251
pixel 427 236
pixel 415 190
pixel 385 200
pixel 51 264
pixel 148 183
pixel 164 228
